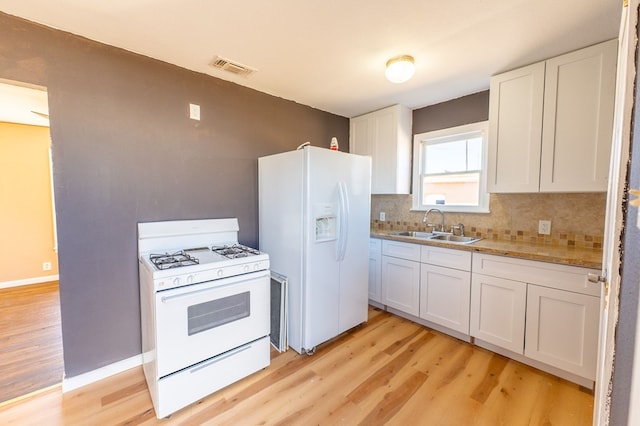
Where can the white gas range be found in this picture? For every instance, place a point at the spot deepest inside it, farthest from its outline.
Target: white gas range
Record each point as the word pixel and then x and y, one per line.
pixel 205 304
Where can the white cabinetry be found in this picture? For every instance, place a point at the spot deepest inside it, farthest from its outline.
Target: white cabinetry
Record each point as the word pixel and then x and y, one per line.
pixel 560 307
pixel 385 136
pixel 515 130
pixel 401 276
pixel 498 311
pixel 562 329
pixel 445 291
pixel 375 270
pixel 551 123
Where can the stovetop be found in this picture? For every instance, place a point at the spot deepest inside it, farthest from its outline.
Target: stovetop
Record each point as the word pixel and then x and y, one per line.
pixel 173 260
pixel 203 255
pixel 235 251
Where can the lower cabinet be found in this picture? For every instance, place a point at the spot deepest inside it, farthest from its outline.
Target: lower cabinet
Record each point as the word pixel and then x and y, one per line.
pixel 498 311
pixel 562 329
pixel 444 297
pixel 375 270
pixel 560 307
pixel 401 284
pixel 539 313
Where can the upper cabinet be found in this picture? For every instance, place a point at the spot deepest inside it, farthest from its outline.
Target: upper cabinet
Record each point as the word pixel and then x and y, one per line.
pixel 551 123
pixel 385 136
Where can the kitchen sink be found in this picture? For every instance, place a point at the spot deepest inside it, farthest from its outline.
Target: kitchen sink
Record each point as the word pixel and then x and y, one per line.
pixel 430 236
pixel 413 234
pixel 454 239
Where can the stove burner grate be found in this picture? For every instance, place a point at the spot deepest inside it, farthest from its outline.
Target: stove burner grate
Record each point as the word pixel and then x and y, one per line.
pixel 173 260
pixel 235 251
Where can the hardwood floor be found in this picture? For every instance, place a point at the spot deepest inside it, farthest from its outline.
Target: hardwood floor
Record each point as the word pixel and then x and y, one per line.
pixel 389 371
pixel 30 339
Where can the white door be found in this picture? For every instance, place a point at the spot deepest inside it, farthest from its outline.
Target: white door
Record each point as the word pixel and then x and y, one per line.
pixel 321 292
pixel 578 88
pixel 623 110
pixel 354 230
pixel 515 134
pixel 375 268
pixel 498 311
pixel 337 203
pixel 444 297
pixel 562 329
pixel 401 284
pixel 196 322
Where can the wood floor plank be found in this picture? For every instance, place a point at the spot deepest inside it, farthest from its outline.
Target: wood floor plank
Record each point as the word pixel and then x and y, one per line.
pixel 389 371
pixel 30 339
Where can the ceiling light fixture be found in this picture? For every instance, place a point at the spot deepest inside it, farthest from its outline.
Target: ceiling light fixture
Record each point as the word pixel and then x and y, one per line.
pixel 400 69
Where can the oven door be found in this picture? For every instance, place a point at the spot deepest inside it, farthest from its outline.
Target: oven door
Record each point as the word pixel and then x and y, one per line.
pixel 199 321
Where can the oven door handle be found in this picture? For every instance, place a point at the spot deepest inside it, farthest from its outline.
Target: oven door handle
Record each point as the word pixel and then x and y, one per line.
pixel 174 297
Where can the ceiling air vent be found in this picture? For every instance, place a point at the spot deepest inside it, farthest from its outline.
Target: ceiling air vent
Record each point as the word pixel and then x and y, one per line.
pixel 232 67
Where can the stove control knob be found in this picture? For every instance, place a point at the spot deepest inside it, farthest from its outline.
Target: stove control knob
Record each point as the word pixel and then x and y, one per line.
pixel 220 272
pixel 176 281
pixel 256 266
pixel 190 279
pixel 246 268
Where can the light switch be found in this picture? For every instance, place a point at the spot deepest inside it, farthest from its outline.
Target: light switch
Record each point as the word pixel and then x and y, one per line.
pixel 194 112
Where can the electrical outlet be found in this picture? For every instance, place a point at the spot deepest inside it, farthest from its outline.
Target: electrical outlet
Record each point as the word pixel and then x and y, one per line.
pixel 194 112
pixel 383 217
pixel 544 227
pixel 46 266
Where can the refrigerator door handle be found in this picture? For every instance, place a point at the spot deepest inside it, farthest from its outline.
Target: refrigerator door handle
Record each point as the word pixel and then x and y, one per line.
pixel 344 221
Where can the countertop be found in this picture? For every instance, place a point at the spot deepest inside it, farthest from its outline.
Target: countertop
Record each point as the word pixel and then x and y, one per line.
pixel 586 258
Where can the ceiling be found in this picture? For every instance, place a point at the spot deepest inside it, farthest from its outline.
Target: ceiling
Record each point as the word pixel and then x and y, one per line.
pixel 23 104
pixel 331 54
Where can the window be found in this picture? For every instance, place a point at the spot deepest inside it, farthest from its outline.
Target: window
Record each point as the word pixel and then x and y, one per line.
pixel 449 169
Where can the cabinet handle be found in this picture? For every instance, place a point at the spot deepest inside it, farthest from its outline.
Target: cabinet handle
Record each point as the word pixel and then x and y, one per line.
pixel 597 278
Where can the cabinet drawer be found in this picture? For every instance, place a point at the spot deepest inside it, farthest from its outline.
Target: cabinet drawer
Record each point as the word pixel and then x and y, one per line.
pixel 375 247
pixel 401 250
pixel 450 258
pixel 562 277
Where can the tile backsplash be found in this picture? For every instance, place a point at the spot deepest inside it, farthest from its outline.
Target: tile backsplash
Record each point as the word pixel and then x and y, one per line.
pixel 576 219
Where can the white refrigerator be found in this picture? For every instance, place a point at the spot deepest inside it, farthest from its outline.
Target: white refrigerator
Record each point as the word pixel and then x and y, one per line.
pixel 314 218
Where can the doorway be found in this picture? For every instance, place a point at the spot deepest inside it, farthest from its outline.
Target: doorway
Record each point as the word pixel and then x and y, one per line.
pixel 30 331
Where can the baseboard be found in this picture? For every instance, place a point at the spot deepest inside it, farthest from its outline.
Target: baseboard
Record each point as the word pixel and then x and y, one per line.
pixel 72 383
pixel 28 281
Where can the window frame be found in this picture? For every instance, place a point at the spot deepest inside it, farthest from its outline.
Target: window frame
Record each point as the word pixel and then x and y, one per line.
pixel 420 140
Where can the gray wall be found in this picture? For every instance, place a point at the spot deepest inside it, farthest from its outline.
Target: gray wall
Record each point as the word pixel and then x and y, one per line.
pixel 125 151
pixel 456 112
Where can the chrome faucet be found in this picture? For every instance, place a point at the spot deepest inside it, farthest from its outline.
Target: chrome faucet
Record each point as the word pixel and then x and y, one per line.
pixel 424 219
pixel 459 227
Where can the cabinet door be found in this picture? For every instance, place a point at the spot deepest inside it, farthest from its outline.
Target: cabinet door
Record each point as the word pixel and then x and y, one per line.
pixel 385 135
pixel 498 311
pixel 578 119
pixel 361 138
pixel 444 297
pixel 401 284
pixel 562 329
pixel 515 130
pixel 375 270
